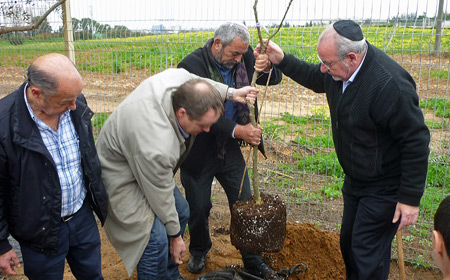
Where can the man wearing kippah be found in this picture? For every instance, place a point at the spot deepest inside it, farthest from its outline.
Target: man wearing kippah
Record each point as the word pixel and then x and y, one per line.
pixel 380 138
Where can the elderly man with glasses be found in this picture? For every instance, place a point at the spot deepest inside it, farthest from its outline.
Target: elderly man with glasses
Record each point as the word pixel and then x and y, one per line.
pixel 380 138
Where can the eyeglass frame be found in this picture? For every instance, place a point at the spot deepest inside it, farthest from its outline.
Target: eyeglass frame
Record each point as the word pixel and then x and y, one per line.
pixel 329 64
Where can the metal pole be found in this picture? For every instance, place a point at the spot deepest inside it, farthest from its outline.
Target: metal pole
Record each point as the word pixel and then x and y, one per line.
pixel 68 31
pixel 437 40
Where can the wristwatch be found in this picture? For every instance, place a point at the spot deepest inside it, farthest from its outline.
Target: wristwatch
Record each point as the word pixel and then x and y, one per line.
pixel 230 93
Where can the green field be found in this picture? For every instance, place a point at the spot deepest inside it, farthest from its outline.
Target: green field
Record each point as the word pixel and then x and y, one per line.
pixel 157 52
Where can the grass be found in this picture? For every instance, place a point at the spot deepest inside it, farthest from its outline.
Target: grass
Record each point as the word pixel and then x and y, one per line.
pixel 322 163
pixel 317 141
pixel 97 122
pixel 439 171
pixel 442 124
pixel 158 52
pixel 440 106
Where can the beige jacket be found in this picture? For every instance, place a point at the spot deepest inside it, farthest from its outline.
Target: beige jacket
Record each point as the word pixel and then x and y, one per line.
pixel 139 147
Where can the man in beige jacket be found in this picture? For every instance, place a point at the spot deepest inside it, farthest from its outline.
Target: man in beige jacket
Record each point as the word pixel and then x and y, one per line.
pixel 140 147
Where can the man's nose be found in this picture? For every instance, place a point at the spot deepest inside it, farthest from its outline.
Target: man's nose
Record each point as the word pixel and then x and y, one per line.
pixel 323 68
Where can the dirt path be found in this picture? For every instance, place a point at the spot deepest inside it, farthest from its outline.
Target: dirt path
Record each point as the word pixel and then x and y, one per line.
pixel 305 243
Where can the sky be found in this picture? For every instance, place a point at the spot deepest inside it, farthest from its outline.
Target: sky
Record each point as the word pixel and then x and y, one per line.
pixel 140 13
pixel 143 14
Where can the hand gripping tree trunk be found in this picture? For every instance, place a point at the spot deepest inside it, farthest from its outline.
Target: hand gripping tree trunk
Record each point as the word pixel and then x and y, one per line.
pixel 258 224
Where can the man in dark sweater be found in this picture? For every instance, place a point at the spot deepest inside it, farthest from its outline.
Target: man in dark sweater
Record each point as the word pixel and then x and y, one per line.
pixel 229 59
pixel 380 138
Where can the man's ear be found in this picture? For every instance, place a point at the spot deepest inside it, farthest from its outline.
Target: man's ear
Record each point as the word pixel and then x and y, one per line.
pixel 217 44
pixel 35 91
pixel 352 57
pixel 438 243
pixel 180 113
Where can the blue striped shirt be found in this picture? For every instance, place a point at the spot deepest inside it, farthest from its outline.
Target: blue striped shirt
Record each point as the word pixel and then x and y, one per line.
pixel 63 146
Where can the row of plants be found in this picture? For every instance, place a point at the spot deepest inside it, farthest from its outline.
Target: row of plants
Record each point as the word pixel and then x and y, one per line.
pixel 157 52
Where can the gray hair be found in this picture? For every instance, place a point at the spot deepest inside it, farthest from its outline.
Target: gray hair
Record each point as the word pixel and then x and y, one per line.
pixel 343 45
pixel 46 83
pixel 227 32
pixel 197 97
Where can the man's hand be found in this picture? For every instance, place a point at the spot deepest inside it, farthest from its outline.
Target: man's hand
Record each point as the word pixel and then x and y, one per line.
pixel 248 133
pixel 244 94
pixel 262 63
pixel 177 249
pixel 407 215
pixel 8 261
pixel 273 51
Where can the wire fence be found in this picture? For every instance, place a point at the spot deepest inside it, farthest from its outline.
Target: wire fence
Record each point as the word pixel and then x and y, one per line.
pixel 117 44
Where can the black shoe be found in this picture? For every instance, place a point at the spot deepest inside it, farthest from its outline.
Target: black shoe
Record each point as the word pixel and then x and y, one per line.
pixel 263 271
pixel 196 264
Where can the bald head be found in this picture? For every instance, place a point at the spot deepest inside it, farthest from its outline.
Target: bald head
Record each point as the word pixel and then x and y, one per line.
pixel 47 73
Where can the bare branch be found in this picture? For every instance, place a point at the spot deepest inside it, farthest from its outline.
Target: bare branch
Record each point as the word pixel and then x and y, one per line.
pixel 6 29
pixel 258 27
pixel 251 107
pixel 281 23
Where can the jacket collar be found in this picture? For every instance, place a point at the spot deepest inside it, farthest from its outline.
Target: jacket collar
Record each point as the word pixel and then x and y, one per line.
pixel 23 127
pixel 207 52
pixel 25 131
pixel 368 59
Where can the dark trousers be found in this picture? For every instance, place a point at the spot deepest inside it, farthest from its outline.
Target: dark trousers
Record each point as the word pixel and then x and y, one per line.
pixel 228 172
pixel 79 243
pixel 367 231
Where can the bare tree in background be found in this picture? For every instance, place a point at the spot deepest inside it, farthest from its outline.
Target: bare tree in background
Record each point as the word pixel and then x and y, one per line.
pixel 15 12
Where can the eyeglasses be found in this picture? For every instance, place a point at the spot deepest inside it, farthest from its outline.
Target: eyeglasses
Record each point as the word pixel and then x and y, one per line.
pixel 327 65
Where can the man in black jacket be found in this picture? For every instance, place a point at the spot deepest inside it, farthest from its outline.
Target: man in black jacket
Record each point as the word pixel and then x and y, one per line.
pixel 380 138
pixel 50 175
pixel 229 59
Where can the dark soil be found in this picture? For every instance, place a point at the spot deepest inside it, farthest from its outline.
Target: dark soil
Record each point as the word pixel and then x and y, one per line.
pixel 304 244
pixel 258 228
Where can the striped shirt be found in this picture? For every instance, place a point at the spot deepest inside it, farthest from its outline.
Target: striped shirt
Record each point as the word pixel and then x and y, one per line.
pixel 63 146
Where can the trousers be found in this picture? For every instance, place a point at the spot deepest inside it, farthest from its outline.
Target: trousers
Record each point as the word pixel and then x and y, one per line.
pixel 79 243
pixel 228 171
pixel 367 230
pixel 156 262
